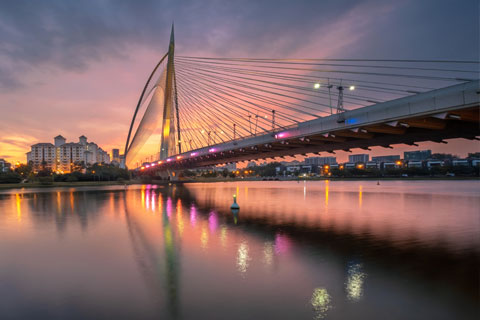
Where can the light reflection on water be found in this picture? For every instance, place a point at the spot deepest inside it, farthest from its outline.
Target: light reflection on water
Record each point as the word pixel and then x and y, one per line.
pixel 310 250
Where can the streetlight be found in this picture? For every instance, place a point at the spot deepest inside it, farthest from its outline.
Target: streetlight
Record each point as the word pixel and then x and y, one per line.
pixel 318 85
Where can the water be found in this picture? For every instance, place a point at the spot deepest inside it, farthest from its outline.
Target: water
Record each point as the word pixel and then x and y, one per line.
pixel 307 250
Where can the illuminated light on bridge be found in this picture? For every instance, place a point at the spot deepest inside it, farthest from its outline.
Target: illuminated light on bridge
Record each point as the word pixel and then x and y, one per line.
pixel 160 162
pixel 212 150
pixel 147 166
pixel 169 159
pixel 281 135
pixel 142 168
pixel 193 154
pixel 179 157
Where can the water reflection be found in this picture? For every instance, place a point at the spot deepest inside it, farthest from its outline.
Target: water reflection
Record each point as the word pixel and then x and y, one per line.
pixel 243 258
pixel 268 253
pixel 355 281
pixel 321 302
pixel 190 250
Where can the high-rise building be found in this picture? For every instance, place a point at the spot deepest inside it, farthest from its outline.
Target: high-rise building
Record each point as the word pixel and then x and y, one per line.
pixel 417 155
pixel 358 158
pixel 320 161
pixel 62 156
pixel 391 158
pixel 116 155
pixel 42 156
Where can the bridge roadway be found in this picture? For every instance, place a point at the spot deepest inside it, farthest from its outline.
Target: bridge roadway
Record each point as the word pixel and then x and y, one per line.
pixel 451 112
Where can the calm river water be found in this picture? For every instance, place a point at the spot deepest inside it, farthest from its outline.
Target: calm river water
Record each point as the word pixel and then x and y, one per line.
pixel 296 250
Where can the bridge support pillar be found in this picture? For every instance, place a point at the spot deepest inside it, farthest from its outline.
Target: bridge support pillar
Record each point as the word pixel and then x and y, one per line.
pixel 170 175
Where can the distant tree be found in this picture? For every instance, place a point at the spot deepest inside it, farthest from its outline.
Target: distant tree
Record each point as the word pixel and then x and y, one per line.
pixel 10 177
pixel 24 170
pixel 45 171
pixel 78 166
pixel 225 173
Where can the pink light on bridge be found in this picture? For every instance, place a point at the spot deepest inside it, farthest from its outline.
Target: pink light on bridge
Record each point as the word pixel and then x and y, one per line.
pixel 193 154
pixel 212 150
pixel 147 166
pixel 168 160
pixel 281 135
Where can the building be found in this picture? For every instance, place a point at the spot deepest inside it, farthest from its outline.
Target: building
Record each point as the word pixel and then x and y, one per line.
pixel 460 162
pixel 5 166
pixel 42 156
pixel 358 158
pixel 415 164
pixel 116 155
pixel 372 165
pixel 417 155
pixel 62 156
pixel 391 158
pixel 229 166
pixel 320 161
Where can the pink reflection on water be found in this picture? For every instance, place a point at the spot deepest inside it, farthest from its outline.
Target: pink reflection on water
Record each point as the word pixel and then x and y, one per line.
pixel 193 216
pixel 212 221
pixel 153 200
pixel 147 199
pixel 282 243
pixel 169 207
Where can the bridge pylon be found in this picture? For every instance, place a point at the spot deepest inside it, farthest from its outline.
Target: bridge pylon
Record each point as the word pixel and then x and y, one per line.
pixel 167 143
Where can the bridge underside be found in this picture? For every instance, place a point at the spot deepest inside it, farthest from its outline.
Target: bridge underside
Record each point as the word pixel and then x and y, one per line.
pixel 457 124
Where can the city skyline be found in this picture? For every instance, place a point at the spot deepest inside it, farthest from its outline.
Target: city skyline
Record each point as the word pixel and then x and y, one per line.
pixel 61 73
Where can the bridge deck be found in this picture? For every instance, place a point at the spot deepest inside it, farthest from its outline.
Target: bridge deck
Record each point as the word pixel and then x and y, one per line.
pixel 451 112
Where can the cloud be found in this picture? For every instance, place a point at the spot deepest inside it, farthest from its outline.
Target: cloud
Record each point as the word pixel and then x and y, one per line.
pixel 71 35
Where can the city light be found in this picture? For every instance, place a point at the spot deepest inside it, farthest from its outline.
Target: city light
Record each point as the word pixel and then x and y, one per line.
pixel 317 85
pixel 351 88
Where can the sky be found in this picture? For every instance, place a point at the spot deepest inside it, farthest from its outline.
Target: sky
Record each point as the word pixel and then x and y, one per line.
pixel 77 67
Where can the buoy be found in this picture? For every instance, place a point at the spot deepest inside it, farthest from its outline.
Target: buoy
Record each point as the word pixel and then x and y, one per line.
pixel 234 205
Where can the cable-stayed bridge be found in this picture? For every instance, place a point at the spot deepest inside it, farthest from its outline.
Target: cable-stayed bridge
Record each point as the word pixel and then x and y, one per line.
pixel 196 111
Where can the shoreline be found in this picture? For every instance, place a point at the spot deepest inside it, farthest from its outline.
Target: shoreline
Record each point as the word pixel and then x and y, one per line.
pixel 6 186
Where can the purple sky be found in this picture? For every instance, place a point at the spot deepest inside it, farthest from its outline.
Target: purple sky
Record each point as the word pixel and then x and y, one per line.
pixel 77 67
